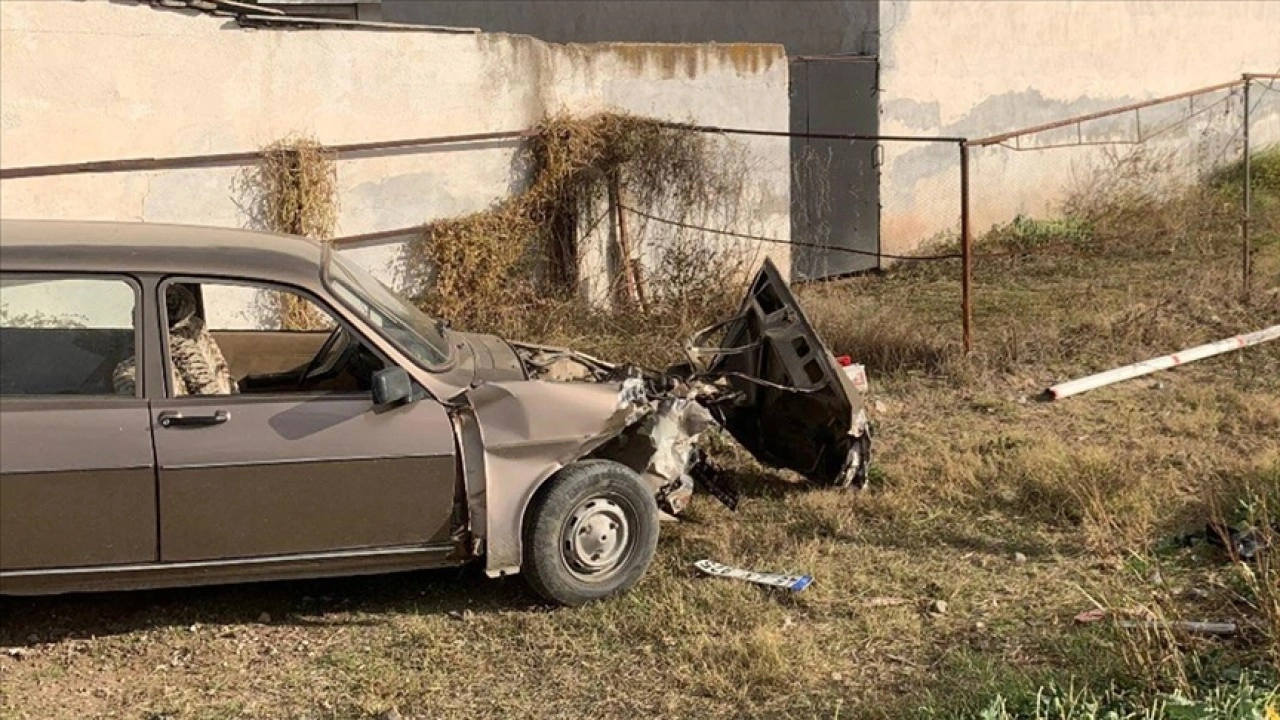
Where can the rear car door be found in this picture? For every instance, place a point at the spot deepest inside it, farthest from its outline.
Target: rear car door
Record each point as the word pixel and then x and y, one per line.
pixel 77 472
pixel 284 467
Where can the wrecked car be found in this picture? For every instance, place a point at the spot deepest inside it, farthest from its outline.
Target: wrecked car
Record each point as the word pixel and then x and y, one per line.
pixel 186 406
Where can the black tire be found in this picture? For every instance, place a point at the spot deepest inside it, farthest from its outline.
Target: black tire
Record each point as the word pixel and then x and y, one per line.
pixel 590 533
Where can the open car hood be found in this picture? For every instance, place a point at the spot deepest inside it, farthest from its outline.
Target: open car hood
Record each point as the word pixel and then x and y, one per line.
pixel 791 405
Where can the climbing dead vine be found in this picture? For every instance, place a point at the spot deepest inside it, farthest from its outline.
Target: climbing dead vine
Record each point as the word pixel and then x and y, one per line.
pixel 491 270
pixel 294 187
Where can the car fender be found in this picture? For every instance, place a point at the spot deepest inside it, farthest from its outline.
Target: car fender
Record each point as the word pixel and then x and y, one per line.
pixel 513 436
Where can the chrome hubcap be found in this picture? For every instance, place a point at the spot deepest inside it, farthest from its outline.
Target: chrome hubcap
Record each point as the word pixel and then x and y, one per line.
pixel 596 537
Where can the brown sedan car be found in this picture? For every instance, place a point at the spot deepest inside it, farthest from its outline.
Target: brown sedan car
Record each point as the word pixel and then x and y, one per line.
pixel 188 405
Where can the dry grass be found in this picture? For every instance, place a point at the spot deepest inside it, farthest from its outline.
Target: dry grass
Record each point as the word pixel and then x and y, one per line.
pixel 1253 501
pixel 294 187
pixel 1018 514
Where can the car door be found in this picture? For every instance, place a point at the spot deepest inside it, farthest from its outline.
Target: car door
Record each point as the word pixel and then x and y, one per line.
pixel 77 473
pixel 285 471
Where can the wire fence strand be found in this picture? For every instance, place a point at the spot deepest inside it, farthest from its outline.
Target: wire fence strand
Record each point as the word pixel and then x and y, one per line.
pixel 780 241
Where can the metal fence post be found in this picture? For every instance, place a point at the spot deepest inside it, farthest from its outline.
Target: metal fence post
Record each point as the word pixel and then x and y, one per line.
pixel 1246 250
pixel 966 250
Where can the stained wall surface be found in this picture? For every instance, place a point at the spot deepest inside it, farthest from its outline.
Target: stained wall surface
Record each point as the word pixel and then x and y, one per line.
pixel 98 80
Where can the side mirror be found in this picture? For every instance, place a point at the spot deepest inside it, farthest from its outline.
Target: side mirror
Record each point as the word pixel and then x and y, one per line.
pixel 391 386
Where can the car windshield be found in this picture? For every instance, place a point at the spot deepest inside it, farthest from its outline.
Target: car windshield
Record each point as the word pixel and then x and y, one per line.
pixel 395 318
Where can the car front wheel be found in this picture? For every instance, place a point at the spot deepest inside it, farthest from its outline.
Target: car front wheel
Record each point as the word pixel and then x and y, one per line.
pixel 590 533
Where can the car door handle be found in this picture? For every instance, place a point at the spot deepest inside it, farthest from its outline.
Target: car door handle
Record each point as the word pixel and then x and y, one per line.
pixel 177 419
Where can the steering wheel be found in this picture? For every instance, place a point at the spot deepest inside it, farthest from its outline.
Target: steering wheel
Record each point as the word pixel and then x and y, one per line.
pixel 321 366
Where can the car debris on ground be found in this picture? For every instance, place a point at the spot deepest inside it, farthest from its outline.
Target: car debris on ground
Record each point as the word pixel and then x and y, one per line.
pixel 1244 542
pixel 1164 362
pixel 794 583
pixel 1202 628
pixel 1089 617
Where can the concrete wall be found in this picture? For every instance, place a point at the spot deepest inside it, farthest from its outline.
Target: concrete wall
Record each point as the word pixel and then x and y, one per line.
pixel 975 69
pixel 838 210
pixel 962 68
pixel 103 80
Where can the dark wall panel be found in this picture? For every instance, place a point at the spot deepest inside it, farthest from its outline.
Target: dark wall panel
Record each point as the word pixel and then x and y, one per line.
pixel 805 27
pixel 835 184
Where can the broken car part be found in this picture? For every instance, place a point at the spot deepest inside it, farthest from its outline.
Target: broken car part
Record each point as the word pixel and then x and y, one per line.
pixel 1241 543
pixel 794 406
pixel 712 481
pixel 794 583
pixel 1164 362
pixel 1245 543
pixel 1202 628
pixel 1094 615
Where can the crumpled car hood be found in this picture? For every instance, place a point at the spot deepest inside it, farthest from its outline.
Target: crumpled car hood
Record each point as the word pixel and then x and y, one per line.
pixel 765 376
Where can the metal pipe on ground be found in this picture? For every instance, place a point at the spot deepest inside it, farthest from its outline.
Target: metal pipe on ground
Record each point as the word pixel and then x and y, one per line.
pixel 1164 362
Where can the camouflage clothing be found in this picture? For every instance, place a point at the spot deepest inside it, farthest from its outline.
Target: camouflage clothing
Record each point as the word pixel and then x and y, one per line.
pixel 197 364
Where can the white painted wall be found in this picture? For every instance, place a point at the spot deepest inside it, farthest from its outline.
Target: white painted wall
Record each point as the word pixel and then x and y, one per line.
pixel 979 68
pixel 106 303
pixel 94 80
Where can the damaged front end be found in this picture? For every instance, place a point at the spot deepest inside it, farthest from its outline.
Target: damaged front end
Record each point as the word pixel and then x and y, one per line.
pixel 766 378
pixel 513 435
pixel 665 415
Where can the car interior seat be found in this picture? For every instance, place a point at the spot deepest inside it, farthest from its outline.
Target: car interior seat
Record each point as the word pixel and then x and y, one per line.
pixel 197 364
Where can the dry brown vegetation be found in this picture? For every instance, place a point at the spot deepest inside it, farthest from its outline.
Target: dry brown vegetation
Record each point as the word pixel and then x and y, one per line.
pixel 294 190
pixel 1017 514
pixel 504 268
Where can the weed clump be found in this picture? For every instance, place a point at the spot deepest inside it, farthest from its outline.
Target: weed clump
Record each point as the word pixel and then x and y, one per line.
pixel 295 191
pixel 508 268
pixel 298 188
pixel 1264 172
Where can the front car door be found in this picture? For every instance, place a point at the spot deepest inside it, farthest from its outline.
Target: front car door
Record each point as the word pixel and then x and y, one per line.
pixel 286 466
pixel 77 473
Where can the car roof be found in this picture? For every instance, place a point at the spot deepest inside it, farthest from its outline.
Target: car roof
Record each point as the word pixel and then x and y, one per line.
pixel 134 247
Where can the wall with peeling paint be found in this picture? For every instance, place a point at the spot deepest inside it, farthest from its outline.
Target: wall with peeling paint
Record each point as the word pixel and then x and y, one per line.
pixel 101 80
pixel 960 67
pixel 975 69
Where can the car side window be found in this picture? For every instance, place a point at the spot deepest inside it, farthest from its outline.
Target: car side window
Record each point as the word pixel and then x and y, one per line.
pixel 65 335
pixel 226 338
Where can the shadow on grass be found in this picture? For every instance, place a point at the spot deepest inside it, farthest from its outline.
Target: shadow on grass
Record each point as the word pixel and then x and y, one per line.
pixel 765 484
pixel 26 621
pixel 1003 539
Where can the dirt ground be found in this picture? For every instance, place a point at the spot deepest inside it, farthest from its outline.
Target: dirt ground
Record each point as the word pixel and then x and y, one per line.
pixel 992 521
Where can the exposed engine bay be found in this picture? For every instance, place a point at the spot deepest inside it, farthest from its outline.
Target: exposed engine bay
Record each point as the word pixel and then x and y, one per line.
pixel 763 375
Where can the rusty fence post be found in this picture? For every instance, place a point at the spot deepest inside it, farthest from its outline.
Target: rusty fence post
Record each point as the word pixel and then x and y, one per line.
pixel 966 250
pixel 1245 240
